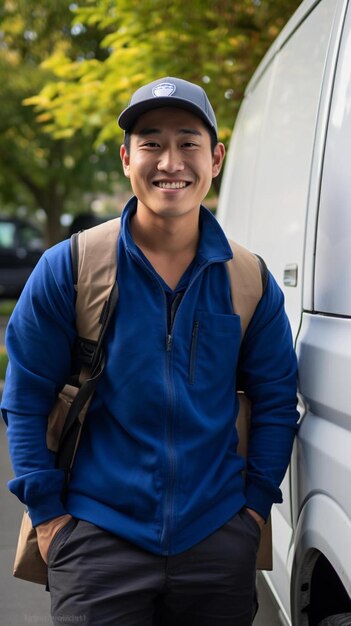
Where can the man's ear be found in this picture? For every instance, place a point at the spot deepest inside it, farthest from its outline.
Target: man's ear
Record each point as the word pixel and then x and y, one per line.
pixel 125 160
pixel 217 159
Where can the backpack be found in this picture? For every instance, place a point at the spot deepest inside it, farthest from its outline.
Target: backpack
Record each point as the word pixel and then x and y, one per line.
pixel 94 263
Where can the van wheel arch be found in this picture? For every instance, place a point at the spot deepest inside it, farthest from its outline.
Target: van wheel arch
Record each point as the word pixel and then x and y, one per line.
pixel 342 619
pixel 319 595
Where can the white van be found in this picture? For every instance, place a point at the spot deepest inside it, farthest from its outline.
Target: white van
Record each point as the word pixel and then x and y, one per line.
pixel 286 195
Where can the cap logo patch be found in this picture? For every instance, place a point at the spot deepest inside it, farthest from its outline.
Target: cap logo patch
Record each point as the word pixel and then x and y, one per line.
pixel 163 90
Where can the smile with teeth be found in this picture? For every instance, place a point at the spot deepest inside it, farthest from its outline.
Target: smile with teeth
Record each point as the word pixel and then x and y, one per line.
pixel 178 184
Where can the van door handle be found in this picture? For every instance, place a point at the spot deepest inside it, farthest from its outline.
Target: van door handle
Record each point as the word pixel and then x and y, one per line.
pixel 290 275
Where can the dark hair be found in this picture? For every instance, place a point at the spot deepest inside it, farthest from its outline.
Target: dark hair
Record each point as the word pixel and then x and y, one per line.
pixel 128 133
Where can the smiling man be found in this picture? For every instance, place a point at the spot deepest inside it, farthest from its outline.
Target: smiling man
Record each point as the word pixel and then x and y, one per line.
pixel 158 526
pixel 170 164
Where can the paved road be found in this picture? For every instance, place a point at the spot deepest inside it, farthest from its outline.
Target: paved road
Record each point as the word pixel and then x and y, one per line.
pixel 21 603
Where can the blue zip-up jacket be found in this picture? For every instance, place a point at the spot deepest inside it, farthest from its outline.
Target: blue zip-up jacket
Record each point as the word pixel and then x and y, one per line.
pixel 157 462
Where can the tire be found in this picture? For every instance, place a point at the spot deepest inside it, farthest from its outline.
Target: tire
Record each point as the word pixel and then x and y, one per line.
pixel 342 619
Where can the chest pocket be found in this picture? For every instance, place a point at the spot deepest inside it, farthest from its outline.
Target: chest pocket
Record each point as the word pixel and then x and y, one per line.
pixel 214 348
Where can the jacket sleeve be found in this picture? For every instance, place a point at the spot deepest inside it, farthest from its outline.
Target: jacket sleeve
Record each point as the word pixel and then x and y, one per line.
pixel 39 340
pixel 268 372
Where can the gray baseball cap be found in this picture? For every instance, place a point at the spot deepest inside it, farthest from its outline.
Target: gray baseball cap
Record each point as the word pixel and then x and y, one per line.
pixel 169 92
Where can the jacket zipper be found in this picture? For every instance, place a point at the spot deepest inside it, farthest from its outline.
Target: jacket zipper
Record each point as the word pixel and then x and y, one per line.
pixel 193 351
pixel 171 454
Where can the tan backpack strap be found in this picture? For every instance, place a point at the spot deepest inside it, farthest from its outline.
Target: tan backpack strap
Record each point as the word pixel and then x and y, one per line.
pixel 94 263
pixel 246 285
pixel 248 277
pixel 96 275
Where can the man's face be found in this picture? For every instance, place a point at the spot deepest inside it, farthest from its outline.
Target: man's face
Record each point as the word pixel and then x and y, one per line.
pixel 170 163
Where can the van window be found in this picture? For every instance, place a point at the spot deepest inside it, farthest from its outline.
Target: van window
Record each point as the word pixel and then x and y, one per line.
pixel 332 292
pixel 30 237
pixel 7 235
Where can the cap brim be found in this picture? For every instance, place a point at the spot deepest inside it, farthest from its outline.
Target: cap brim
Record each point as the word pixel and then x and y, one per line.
pixel 130 115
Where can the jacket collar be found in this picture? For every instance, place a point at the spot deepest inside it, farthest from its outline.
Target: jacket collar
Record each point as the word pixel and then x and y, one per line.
pixel 213 246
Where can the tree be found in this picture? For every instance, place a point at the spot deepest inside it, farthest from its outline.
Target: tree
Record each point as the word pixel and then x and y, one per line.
pixel 67 69
pixel 216 43
pixel 37 169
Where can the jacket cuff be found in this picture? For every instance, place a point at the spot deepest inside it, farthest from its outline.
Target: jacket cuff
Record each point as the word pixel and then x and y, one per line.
pixel 41 492
pixel 49 510
pixel 261 498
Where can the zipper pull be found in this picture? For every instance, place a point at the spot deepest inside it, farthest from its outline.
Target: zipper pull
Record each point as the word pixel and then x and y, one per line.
pixel 169 343
pixel 195 328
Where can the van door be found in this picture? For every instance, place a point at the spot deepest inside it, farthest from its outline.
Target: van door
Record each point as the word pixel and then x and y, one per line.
pixel 323 473
pixel 266 187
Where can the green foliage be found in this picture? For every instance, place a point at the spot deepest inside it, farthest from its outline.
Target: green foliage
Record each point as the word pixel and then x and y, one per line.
pixel 38 170
pixel 6 307
pixel 3 362
pixel 216 43
pixel 67 69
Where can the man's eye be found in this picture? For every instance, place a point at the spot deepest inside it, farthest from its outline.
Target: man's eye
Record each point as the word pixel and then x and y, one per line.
pixel 150 144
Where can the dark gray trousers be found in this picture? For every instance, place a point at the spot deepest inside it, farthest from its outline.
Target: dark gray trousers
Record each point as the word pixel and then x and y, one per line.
pixel 98 579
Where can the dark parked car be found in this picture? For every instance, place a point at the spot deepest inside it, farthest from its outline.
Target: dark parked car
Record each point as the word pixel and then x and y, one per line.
pixel 82 221
pixel 21 246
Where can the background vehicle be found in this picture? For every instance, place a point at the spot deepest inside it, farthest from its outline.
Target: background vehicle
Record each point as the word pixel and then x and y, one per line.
pixel 21 245
pixel 82 221
pixel 286 194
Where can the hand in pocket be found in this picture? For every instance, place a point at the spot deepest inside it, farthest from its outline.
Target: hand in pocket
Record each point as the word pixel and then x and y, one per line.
pixel 47 531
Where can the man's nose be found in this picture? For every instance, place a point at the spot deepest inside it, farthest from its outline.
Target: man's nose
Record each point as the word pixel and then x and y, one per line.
pixel 170 160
